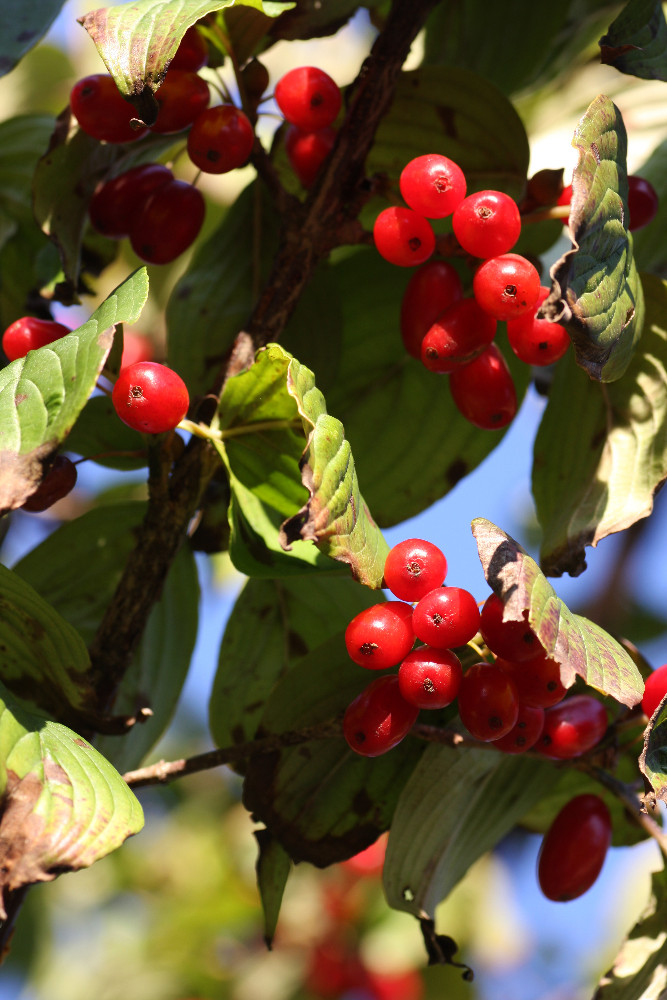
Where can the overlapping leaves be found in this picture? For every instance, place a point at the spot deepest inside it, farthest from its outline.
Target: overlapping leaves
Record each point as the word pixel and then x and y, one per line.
pixel 636 42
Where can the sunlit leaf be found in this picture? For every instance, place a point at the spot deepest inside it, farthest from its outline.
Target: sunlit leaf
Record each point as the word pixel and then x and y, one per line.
pixel 636 42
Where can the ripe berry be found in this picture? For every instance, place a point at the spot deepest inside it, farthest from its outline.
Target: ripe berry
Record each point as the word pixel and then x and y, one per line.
pixel 150 397
pixel 413 568
pixel 487 223
pixel 380 636
pixel 100 110
pixel 655 690
pixel 457 337
pixel 572 727
pixel 429 677
pixel 446 617
pixel 525 732
pixel 484 392
pixel 565 198
pixel 182 96
pixel 168 223
pixel 135 348
pixel 433 185
pixel 537 341
pixel 574 848
pixel 220 139
pixel 432 288
pixel 56 484
pixel 307 151
pixel 537 680
pixel 379 718
pixel 29 334
pixel 308 98
pixel 507 286
pixel 402 237
pixel 114 206
pixel 511 640
pixel 642 202
pixel 192 52
pixel 488 702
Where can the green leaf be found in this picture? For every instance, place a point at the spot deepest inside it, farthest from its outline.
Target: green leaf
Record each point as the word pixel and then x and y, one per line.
pixel 636 42
pixel 322 801
pixel 42 394
pixel 21 27
pixel 273 625
pixel 596 292
pixel 457 804
pixel 649 244
pixel 601 450
pixel 64 805
pixel 578 645
pixel 98 434
pixel 273 869
pixel 312 19
pixel 653 759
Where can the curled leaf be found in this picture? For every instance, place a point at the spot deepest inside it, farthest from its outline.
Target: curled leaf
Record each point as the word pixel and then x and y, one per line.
pixel 636 42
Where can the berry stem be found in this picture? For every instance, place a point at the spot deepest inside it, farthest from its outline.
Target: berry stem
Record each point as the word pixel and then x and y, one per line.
pixel 555 212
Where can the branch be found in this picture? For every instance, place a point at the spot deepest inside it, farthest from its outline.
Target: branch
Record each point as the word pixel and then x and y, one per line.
pixel 627 795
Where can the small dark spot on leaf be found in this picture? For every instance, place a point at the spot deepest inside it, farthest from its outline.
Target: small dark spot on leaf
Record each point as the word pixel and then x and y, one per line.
pixel 456 471
pixel 80 743
pixel 595 151
pixel 362 803
pixel 448 118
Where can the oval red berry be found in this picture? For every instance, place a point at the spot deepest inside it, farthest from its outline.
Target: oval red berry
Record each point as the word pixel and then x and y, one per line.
pixel 574 848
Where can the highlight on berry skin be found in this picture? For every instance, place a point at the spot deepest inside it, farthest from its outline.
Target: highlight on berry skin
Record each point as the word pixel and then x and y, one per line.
pixel 150 397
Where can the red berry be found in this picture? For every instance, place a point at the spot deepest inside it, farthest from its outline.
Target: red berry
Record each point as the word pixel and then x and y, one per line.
pixel 457 337
pixel 168 223
pixel 56 484
pixel 488 702
pixel 655 690
pixel 135 348
pixel 537 341
pixel 402 237
pixel 432 288
pixel 537 680
pixel 507 286
pixel 446 617
pixel 484 392
pixel 525 732
pixel 116 203
pixel 308 98
pixel 192 52
pixel 487 223
pixel 379 718
pixel 220 140
pixel 29 334
pixel 404 985
pixel 150 397
pixel 429 677
pixel 101 111
pixel 642 202
pixel 572 727
pixel 511 640
pixel 574 848
pixel 380 636
pixel 370 861
pixel 307 151
pixel 433 185
pixel 413 568
pixel 182 96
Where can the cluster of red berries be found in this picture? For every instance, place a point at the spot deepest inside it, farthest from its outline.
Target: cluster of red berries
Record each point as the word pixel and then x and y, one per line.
pixel 310 101
pixel 516 701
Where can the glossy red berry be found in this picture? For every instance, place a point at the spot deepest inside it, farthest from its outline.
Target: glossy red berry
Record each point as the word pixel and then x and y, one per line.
pixel 116 203
pixel 413 568
pixel 150 397
pixel 380 636
pixel 484 391
pixel 182 96
pixel 307 151
pixel 220 140
pixel 430 677
pixel 402 237
pixel 655 690
pixel 525 732
pixel 431 289
pixel 537 341
pixel 574 848
pixel 446 617
pixel 572 727
pixel 458 336
pixel 59 480
pixel 308 97
pixel 433 185
pixel 511 640
pixel 192 52
pixel 379 718
pixel 487 223
pixel 488 702
pixel 100 110
pixel 642 202
pixel 537 680
pixel 507 286
pixel 29 334
pixel 168 223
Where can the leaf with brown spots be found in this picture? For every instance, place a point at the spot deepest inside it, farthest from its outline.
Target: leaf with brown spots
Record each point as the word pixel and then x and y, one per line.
pixel 636 42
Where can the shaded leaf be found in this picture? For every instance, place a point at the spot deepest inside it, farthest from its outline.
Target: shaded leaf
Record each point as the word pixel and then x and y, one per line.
pixel 653 759
pixel 312 19
pixel 63 805
pixel 436 837
pixel 580 647
pixel 636 42
pixel 273 869
pixel 649 244
pixel 98 434
pixel 601 450
pixel 596 292
pixel 22 26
